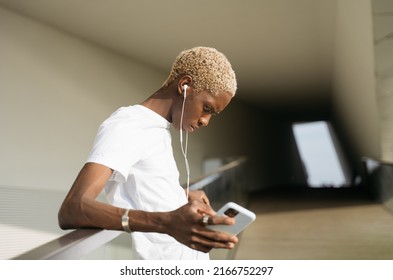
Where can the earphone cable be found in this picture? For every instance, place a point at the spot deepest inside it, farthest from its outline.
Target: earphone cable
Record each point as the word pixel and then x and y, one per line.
pixel 184 150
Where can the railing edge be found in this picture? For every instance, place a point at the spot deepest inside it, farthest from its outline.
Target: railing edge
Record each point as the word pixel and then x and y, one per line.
pixel 71 245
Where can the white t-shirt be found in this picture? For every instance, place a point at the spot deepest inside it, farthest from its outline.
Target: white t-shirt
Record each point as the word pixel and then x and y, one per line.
pixel 136 143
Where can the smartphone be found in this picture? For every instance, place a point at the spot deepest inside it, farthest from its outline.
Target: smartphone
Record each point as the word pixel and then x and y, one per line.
pixel 243 218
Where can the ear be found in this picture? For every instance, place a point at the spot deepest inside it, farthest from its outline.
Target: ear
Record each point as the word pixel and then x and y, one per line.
pixel 185 80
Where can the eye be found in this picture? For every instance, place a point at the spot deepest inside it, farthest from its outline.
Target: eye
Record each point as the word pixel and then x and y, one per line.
pixel 208 109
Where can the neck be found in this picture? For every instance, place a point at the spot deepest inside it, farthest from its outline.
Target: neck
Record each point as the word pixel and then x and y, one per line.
pixel 161 102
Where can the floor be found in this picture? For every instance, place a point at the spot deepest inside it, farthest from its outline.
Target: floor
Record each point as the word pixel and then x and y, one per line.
pixel 319 224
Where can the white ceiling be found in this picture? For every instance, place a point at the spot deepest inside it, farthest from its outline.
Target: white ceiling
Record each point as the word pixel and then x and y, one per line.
pixel 280 49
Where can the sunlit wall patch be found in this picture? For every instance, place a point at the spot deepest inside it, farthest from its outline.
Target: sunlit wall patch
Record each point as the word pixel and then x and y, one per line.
pixel 324 165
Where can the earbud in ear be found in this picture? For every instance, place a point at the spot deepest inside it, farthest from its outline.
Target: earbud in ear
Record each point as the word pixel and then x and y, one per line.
pixel 185 89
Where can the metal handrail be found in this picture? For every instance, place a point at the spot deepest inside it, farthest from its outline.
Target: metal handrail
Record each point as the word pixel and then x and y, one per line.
pixel 374 161
pixel 206 180
pixel 81 242
pixel 72 245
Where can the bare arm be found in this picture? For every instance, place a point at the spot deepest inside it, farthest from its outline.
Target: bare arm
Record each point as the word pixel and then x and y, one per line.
pixel 80 209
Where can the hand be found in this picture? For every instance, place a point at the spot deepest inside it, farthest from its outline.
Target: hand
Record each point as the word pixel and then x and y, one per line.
pixel 186 226
pixel 198 195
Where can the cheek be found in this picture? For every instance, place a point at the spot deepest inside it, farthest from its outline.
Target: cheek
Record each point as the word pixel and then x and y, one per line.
pixel 190 112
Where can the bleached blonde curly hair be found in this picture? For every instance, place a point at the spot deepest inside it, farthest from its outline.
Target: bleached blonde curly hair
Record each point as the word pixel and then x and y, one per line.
pixel 209 69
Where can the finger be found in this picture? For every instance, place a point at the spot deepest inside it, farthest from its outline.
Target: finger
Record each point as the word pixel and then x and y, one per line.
pixel 205 199
pixel 199 247
pixel 209 235
pixel 203 208
pixel 207 243
pixel 201 195
pixel 221 220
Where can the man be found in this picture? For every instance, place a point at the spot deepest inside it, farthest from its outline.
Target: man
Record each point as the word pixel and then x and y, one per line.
pixel 132 159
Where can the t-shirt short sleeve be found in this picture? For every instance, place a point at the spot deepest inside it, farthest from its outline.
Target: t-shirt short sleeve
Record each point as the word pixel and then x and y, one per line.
pixel 116 145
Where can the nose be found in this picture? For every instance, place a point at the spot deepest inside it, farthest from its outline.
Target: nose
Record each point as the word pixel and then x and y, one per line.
pixel 204 121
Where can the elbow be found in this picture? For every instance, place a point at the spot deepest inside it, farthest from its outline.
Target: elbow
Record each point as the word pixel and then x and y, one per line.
pixel 63 219
pixel 69 214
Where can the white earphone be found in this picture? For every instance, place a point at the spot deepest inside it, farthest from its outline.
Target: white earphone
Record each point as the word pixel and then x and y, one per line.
pixel 185 90
pixel 184 150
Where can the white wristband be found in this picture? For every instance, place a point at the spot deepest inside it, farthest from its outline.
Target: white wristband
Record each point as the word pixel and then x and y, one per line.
pixel 125 221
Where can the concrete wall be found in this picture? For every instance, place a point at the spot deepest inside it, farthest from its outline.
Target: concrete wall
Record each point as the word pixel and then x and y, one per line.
pixel 383 29
pixel 55 90
pixel 354 97
pixel 364 86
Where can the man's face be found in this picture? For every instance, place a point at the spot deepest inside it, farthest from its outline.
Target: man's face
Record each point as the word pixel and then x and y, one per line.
pixel 199 108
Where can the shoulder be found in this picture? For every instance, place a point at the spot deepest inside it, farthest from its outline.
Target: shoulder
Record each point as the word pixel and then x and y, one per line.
pixel 134 121
pixel 124 119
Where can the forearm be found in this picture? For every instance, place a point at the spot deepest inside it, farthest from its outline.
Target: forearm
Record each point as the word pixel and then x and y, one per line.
pixel 80 209
pixel 88 213
pixel 95 214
